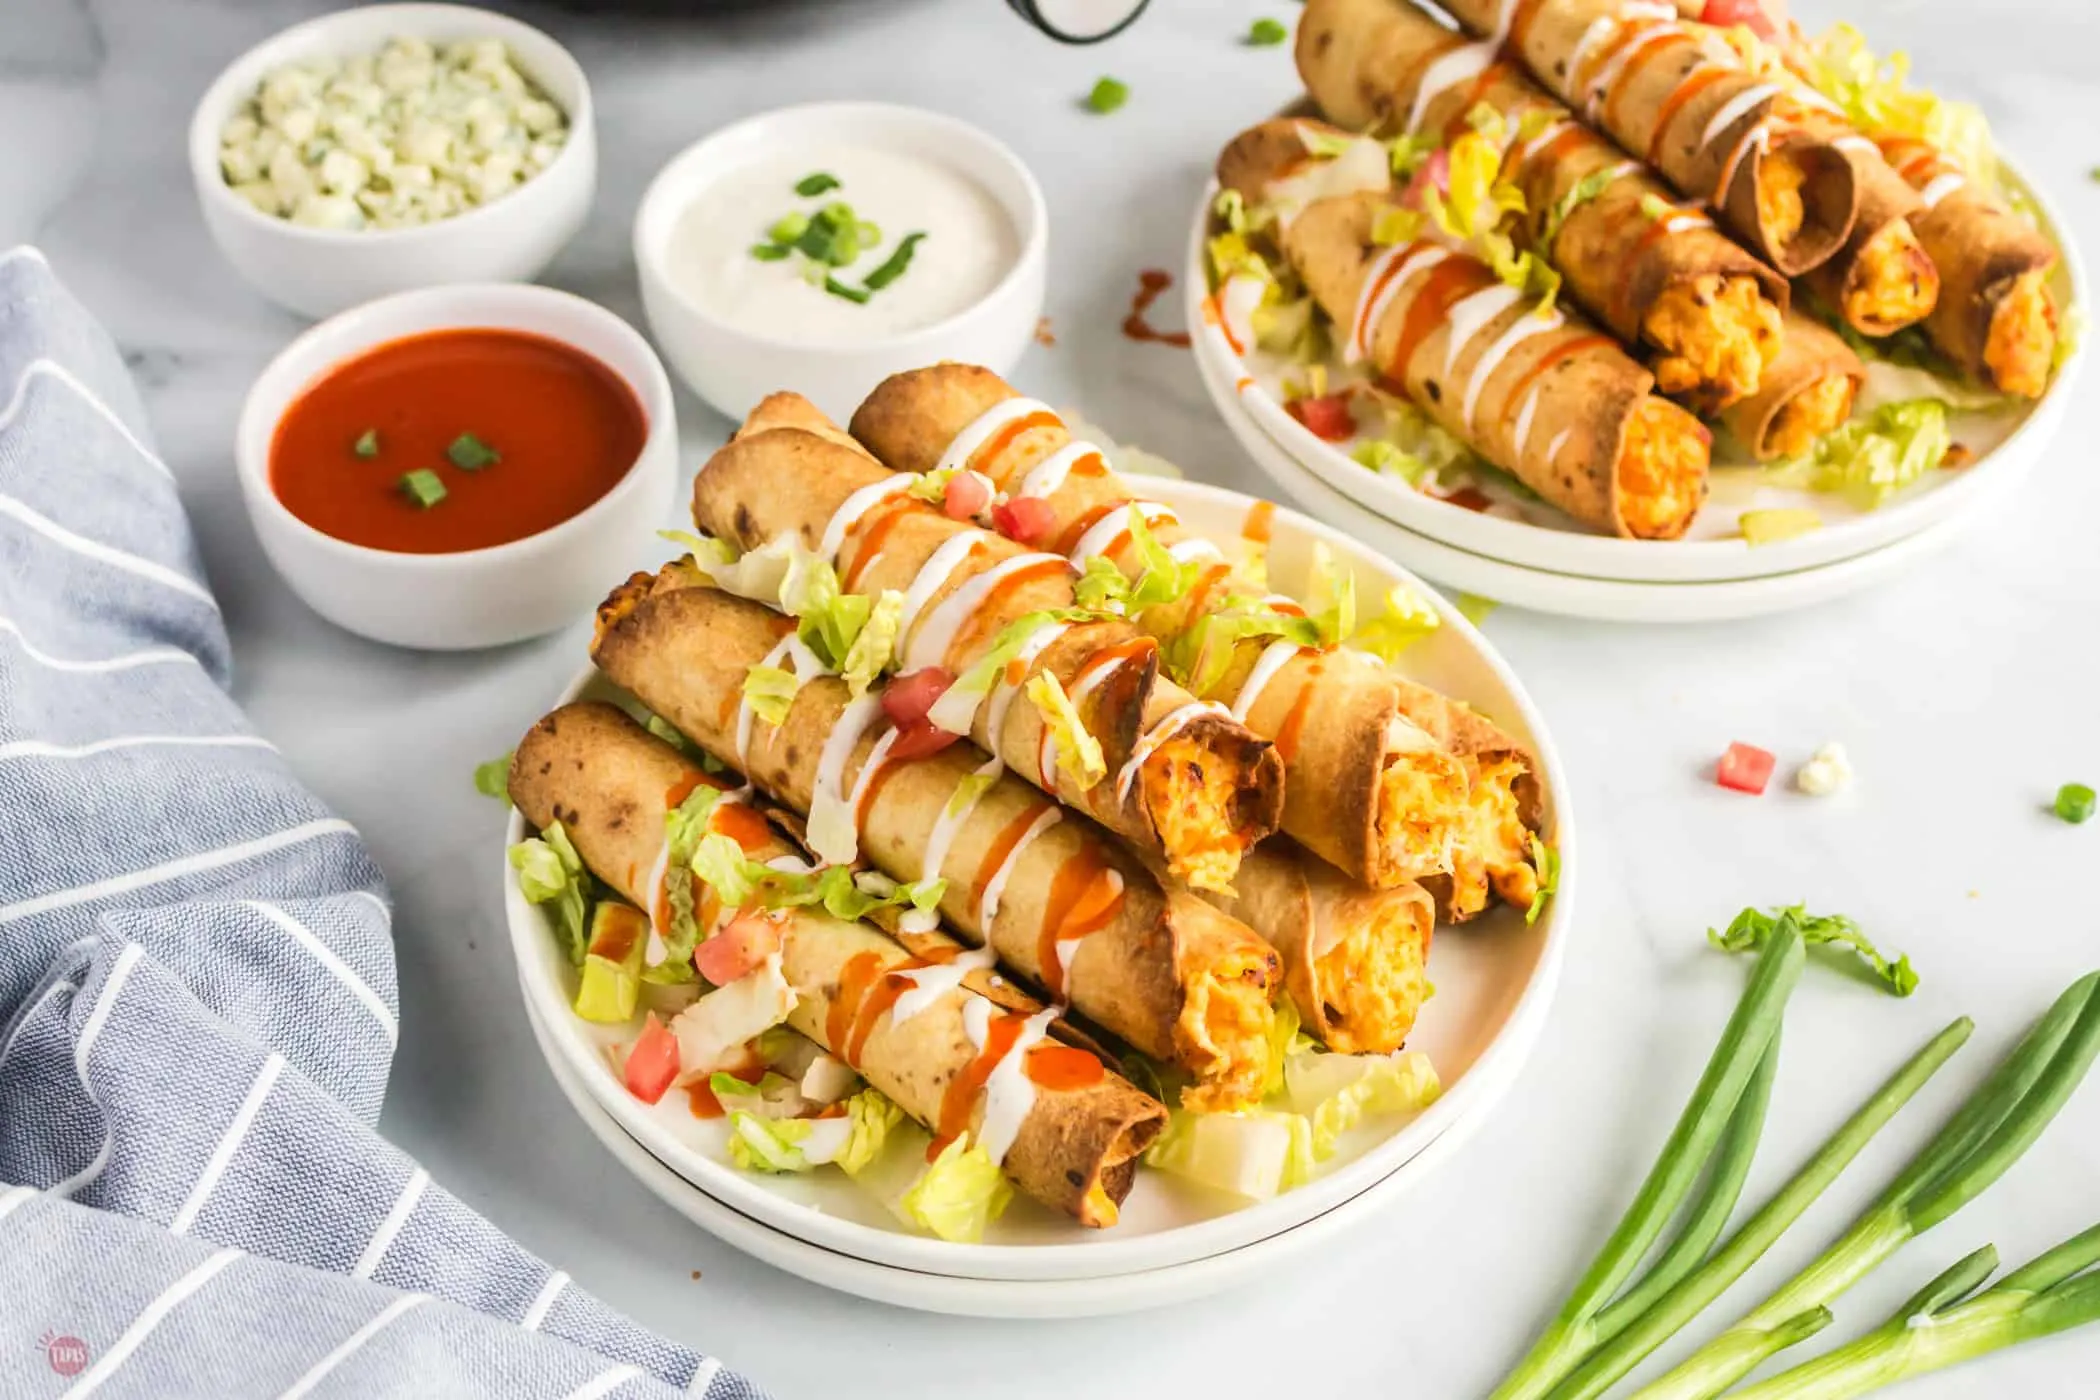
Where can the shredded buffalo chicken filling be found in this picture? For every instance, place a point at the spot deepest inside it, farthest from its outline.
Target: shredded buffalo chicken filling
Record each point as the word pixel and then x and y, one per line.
pixel 1805 417
pixel 1504 840
pixel 1373 982
pixel 1716 334
pixel 2022 341
pixel 1421 801
pixel 1662 470
pixel 1893 282
pixel 1780 210
pixel 1189 800
pixel 1223 1034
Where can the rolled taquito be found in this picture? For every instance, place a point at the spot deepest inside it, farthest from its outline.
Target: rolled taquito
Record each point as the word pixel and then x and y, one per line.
pixel 1675 94
pixel 1656 273
pixel 1185 780
pixel 1550 399
pixel 1882 279
pixel 1496 858
pixel 1807 392
pixel 1052 894
pixel 1995 319
pixel 1066 1129
pixel 1364 789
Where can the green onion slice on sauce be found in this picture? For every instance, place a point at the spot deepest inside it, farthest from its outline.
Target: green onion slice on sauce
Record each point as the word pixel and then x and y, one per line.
pixel 471 454
pixel 893 266
pixel 367 444
pixel 423 487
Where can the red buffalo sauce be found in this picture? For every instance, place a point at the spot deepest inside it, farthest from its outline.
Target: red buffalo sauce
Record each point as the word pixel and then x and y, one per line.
pixel 959 1099
pixel 868 533
pixel 1448 283
pixel 1004 843
pixel 1698 81
pixel 1152 283
pixel 700 1094
pixel 743 824
pixel 1287 733
pixel 1260 523
pixel 1567 350
pixel 1085 894
pixel 989 615
pixel 986 458
pixel 1062 1067
pixel 563 426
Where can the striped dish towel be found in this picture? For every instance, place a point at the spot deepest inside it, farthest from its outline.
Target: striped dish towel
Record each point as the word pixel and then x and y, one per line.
pixel 197 1003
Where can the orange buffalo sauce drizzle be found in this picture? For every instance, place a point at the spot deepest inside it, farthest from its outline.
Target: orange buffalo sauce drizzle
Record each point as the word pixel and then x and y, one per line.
pixel 1062 1068
pixel 1476 93
pixel 1084 896
pixel 873 1007
pixel 1448 283
pixel 1087 520
pixel 1699 81
pixel 890 769
pixel 1624 81
pixel 1260 523
pixel 1003 845
pixel 959 1099
pixel 1410 77
pixel 1601 60
pixel 871 529
pixel 1656 232
pixel 1199 596
pixel 1287 733
pixel 700 1094
pixel 986 458
pixel 987 618
pixel 1567 350
pixel 867 989
pixel 1152 282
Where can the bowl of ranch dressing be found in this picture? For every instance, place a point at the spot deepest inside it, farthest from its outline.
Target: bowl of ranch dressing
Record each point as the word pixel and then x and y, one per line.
pixel 830 245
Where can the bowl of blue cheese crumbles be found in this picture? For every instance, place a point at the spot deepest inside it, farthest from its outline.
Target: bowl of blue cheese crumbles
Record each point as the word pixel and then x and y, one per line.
pixel 390 147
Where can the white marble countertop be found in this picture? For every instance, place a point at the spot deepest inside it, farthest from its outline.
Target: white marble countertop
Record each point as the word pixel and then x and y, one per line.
pixel 1965 692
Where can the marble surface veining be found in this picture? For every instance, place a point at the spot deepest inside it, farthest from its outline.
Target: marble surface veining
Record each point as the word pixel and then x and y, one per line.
pixel 1965 692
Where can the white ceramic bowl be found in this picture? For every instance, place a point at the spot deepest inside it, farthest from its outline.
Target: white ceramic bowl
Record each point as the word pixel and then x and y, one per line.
pixel 319 272
pixel 1494 981
pixel 477 597
pixel 733 368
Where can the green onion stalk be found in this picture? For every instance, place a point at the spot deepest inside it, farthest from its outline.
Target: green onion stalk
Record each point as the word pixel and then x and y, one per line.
pixel 1719 1125
pixel 1942 1325
pixel 1997 1124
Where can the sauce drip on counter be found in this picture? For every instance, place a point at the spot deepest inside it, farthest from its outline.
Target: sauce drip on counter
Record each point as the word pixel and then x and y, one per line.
pixel 563 426
pixel 1152 284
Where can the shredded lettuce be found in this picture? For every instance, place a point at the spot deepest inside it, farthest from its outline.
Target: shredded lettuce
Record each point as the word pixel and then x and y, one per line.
pixel 758 575
pixel 709 554
pixel 666 731
pixel 1763 527
pixel 1336 1092
pixel 773 1096
pixel 770 692
pixel 1284 1032
pixel 1406 153
pixel 1230 209
pixel 1405 619
pixel 854 894
pixel 611 985
pixel 1577 195
pixel 957 707
pixel 1330 601
pixel 931 486
pixel 1102 588
pixel 1546 861
pixel 873 1118
pixel 1162 579
pixel 845 893
pixel 869 653
pixel 724 868
pixel 1427 446
pixel 1078 752
pixel 828 620
pixel 1876 97
pixel 1322 144
pixel 1393 224
pixel 685 826
pixel 960 1192
pixel 1474 608
pixel 492 779
pixel 714 1031
pixel 1378 455
pixel 1201 657
pixel 550 872
pixel 1253 1153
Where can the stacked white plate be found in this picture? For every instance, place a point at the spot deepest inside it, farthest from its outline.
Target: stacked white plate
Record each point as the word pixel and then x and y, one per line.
pixel 1532 556
pixel 1494 979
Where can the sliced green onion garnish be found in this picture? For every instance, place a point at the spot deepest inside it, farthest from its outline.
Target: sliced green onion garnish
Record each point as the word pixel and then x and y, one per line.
pixel 894 265
pixel 471 454
pixel 869 234
pixel 837 288
pixel 423 487
pixel 788 228
pixel 2075 803
pixel 1267 31
pixel 367 445
pixel 770 252
pixel 809 186
pixel 1108 94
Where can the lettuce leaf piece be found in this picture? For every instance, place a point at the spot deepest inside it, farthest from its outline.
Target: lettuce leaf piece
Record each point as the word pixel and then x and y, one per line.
pixel 1201 657
pixel 714 1031
pixel 828 620
pixel 685 826
pixel 1749 930
pixel 1230 209
pixel 1577 195
pixel 1870 459
pixel 1546 861
pixel 492 779
pixel 724 868
pixel 1290 327
pixel 759 575
pixel 1078 751
pixel 1406 153
pixel 1163 579
pixel 871 1118
pixel 666 731
pixel 612 965
pixel 770 692
pixel 869 653
pixel 957 707
pixel 1330 601
pixel 709 553
pixel 931 486
pixel 770 1145
pixel 550 872
pixel 854 894
pixel 1761 527
pixel 1404 619
pixel 1254 1153
pixel 773 1096
pixel 1336 1092
pixel 1102 588
pixel 1875 95
pixel 1324 145
pixel 1393 224
pixel 960 1192
pixel 1378 455
pixel 1283 1033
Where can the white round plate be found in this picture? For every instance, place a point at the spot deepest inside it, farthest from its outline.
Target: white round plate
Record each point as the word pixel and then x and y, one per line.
pixel 2007 445
pixel 1005 1298
pixel 1491 978
pixel 1571 595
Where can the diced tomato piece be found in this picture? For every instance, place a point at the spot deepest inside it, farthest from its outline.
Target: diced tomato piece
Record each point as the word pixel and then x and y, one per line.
pixel 967 496
pixel 1435 171
pixel 1753 14
pixel 1329 418
pixel 919 739
pixel 1745 768
pixel 907 699
pixel 737 947
pixel 653 1062
pixel 1024 519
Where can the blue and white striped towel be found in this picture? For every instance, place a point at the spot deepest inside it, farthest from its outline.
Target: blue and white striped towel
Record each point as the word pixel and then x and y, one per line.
pixel 197 1002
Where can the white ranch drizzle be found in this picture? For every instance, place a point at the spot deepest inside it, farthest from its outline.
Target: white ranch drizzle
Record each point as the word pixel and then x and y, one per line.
pixel 1940 187
pixel 878 759
pixel 1855 142
pixel 1274 657
pixel 930 984
pixel 1193 548
pixel 852 509
pixel 1560 440
pixel 1065 947
pixel 928 645
pixel 1047 475
pixel 1103 534
pixel 1734 108
pixel 1002 695
pixel 950 822
pixel 995 889
pixel 1525 150
pixel 979 430
pixel 825 1139
pixel 1449 70
pixel 919 921
pixel 825 798
pixel 1525 327
pixel 1374 299
pixel 1046 746
pixel 1170 724
pixel 1008 1092
pixel 1758 139
pixel 1472 316
pixel 800 656
pixel 1601 28
pixel 939 567
pixel 1522 432
pixel 1614 69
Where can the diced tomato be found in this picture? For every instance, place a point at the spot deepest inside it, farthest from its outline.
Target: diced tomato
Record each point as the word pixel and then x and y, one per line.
pixel 653 1062
pixel 1024 519
pixel 906 699
pixel 1745 768
pixel 919 739
pixel 1753 14
pixel 967 496
pixel 737 947
pixel 1329 418
pixel 1434 171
